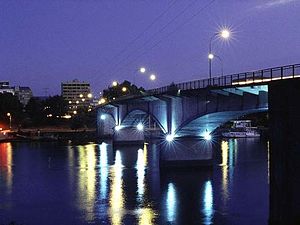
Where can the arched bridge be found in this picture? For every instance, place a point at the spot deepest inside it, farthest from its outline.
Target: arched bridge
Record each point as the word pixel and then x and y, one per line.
pixel 191 108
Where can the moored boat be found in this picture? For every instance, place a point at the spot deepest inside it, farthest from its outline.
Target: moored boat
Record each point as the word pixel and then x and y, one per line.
pixel 241 129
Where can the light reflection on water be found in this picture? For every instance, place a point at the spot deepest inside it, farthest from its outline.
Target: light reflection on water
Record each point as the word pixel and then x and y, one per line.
pixel 208 203
pixel 6 173
pixel 171 203
pixel 103 171
pixel 117 198
pixel 87 180
pixel 120 186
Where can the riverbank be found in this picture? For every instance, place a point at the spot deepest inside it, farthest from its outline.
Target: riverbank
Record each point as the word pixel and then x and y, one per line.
pixel 50 134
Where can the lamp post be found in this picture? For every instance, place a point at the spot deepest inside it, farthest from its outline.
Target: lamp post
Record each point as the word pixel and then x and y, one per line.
pixel 141 70
pixel 225 34
pixel 9 115
pixel 212 56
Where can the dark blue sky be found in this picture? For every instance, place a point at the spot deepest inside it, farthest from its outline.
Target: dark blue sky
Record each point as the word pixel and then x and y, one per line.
pixel 45 42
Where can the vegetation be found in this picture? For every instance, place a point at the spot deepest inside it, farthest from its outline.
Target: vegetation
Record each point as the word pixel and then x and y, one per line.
pixel 120 90
pixel 42 113
pixel 10 104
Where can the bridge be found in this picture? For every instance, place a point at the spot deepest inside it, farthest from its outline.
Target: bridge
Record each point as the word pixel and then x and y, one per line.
pixel 195 108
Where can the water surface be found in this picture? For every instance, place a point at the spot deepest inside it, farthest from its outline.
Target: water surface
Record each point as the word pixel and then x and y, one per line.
pixel 52 183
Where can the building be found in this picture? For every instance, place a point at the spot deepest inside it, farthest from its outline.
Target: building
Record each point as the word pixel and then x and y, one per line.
pixel 24 94
pixel 77 94
pixel 5 88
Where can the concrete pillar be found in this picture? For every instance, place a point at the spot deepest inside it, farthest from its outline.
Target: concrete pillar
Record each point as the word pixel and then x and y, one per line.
pixel 186 153
pixel 284 110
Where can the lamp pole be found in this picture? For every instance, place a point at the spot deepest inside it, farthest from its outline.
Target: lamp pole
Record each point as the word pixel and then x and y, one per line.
pixel 225 34
pixel 9 115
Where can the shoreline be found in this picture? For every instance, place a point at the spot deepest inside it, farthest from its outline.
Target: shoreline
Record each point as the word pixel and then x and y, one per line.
pixel 50 134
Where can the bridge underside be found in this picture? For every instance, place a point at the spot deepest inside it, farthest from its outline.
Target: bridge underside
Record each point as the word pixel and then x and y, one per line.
pixel 187 113
pixel 209 122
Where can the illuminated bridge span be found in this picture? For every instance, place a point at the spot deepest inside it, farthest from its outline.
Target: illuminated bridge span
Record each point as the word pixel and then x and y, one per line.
pixel 194 108
pixel 197 108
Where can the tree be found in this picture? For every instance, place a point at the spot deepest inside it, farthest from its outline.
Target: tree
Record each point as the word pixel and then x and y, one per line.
pixel 9 103
pixel 118 91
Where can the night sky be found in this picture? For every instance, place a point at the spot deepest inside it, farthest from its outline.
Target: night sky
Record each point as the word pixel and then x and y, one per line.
pixel 45 42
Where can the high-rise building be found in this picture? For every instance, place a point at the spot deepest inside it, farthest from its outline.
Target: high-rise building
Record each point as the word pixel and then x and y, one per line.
pixel 77 94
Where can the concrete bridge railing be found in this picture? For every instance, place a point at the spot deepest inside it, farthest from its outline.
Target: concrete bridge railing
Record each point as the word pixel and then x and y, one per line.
pixel 246 78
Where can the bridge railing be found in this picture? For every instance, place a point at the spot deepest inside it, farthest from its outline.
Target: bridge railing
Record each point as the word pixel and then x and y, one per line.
pixel 252 77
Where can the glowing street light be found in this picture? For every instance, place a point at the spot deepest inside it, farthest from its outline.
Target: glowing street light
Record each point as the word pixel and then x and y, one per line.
pixel 142 69
pixel 9 115
pixel 102 101
pixel 89 95
pixel 152 77
pixel 124 89
pixel 225 34
pixel 102 117
pixel 114 83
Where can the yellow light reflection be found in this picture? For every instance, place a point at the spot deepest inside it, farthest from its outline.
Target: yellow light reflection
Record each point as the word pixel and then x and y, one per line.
pixel 145 154
pixel 224 150
pixel 87 179
pixel 146 217
pixel 6 164
pixel 117 198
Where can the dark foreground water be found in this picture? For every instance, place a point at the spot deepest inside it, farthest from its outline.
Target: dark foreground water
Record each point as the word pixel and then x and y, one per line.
pixel 48 184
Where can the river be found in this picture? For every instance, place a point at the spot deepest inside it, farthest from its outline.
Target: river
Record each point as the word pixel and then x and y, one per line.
pixel 56 183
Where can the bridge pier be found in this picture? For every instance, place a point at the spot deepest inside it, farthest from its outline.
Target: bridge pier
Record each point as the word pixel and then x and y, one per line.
pixel 186 152
pixel 285 152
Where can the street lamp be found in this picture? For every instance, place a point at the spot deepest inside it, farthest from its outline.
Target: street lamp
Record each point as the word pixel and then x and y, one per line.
pixel 9 115
pixel 142 69
pixel 114 83
pixel 225 34
pixel 212 56
pixel 152 77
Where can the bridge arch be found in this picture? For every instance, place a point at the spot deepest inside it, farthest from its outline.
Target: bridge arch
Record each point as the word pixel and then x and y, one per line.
pixel 136 116
pixel 199 124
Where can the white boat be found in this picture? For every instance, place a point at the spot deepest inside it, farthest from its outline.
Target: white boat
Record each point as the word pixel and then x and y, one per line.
pixel 241 129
